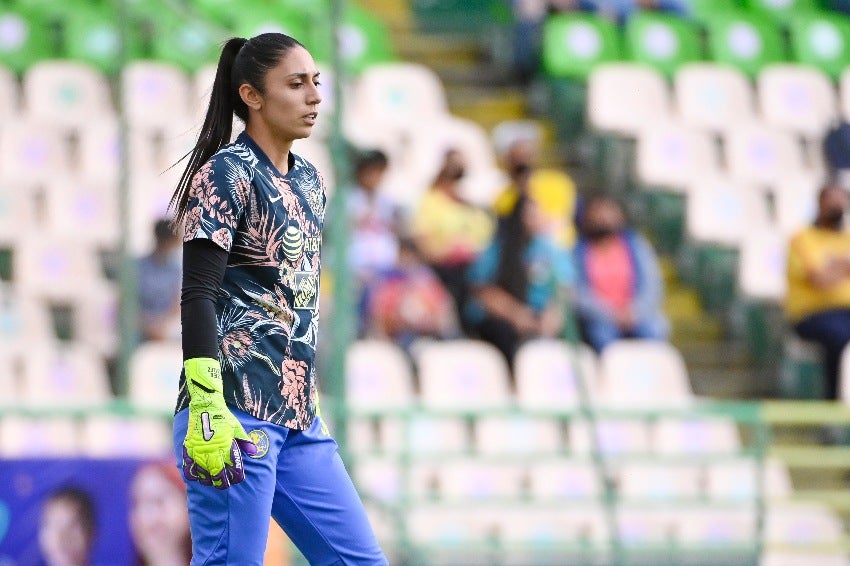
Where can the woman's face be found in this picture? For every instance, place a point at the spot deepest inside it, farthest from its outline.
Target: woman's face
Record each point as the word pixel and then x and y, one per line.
pixel 62 535
pixel 290 102
pixel 159 520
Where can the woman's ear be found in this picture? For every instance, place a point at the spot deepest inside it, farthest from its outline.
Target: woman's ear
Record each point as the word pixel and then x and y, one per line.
pixel 250 96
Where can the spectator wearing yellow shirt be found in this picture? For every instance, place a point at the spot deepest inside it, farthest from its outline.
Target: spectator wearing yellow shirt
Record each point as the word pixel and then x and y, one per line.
pixel 818 298
pixel 448 231
pixel 552 190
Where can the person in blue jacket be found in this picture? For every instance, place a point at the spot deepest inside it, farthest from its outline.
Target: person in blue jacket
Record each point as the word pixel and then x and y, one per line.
pixel 620 289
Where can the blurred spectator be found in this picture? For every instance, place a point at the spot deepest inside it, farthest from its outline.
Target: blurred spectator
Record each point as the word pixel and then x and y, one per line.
pixel 620 289
pixel 374 219
pixel 836 151
pixel 448 231
pixel 408 301
pixel 519 284
pixel 159 519
pixel 818 297
pixel 552 190
pixel 159 274
pixel 67 528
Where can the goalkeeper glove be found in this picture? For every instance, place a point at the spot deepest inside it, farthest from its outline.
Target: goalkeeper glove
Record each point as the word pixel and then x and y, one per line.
pixel 215 440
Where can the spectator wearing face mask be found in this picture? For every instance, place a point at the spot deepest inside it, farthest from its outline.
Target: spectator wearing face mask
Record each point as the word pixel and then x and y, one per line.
pixel 449 231
pixel 818 298
pixel 553 191
pixel 620 289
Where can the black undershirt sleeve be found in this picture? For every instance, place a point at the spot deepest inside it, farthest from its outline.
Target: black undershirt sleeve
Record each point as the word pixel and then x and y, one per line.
pixel 204 263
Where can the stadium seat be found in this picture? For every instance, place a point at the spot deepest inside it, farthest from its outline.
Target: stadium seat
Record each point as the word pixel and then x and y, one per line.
pixel 563 480
pixel 108 436
pixel 845 94
pixel 465 375
pixel 722 532
pixel 149 198
pixel 98 155
pixel 547 374
pixel 626 98
pixel 703 10
pixel 517 434
pixel 662 41
pixel 70 94
pixel 91 34
pixel 424 435
pixel 18 216
pixel 33 152
pixel 782 10
pixel 83 211
pixel 696 435
pixel 469 480
pixel 777 558
pixel 29 437
pixel 189 43
pixel 10 373
pixel 671 156
pixel 797 98
pixel 795 202
pixel 364 40
pixel 378 377
pixel 720 211
pixel 572 535
pixel 9 95
pixel 643 373
pixel 761 275
pixel 655 482
pixel 54 268
pixel 64 376
pixel 395 96
pixel 25 38
pixel 446 534
pixel 95 318
pixel 712 96
pixel 736 480
pixel 23 321
pixel 821 40
pixel 614 437
pixel 762 155
pixel 801 525
pixel 746 41
pixel 643 529
pixel 574 44
pixel 154 95
pixel 383 479
pixel 154 374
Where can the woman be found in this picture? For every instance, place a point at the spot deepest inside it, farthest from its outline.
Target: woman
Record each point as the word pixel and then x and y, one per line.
pixel 520 283
pixel 620 290
pixel 66 530
pixel 159 524
pixel 450 232
pixel 253 214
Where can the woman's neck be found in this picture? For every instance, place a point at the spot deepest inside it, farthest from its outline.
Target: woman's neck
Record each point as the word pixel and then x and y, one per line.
pixel 276 149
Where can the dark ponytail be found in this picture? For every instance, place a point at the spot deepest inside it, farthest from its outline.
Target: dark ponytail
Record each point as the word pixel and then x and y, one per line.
pixel 242 61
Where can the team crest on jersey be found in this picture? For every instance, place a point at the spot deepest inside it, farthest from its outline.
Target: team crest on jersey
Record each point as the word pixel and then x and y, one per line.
pixel 306 290
pixel 261 441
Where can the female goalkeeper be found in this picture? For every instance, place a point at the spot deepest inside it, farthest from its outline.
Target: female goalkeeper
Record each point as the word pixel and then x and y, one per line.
pixel 246 431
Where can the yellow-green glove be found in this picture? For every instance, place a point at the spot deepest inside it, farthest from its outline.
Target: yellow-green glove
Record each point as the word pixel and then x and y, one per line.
pixel 215 440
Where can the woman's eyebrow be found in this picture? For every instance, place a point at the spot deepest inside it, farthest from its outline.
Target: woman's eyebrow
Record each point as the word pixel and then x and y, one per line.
pixel 303 75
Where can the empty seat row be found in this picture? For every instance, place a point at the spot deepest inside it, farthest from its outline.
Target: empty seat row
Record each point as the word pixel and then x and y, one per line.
pixel 626 98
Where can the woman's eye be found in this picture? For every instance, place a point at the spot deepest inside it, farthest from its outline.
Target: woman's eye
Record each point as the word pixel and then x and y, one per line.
pixel 296 85
pixel 317 83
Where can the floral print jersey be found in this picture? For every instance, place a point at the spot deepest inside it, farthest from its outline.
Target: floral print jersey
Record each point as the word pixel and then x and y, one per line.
pixel 268 304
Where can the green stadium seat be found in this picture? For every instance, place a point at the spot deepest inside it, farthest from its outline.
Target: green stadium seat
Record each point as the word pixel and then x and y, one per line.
pixel 703 10
pixel 267 18
pixel 662 41
pixel 781 9
pixel 746 41
pixel 25 38
pixel 464 16
pixel 93 35
pixel 821 39
pixel 364 40
pixel 573 44
pixel 189 44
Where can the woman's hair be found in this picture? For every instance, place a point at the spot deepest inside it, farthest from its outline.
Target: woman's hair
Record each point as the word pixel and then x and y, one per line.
pixel 513 237
pixel 242 61
pixel 82 502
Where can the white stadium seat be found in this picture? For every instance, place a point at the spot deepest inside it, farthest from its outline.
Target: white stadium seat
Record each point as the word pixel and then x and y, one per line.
pixel 84 210
pixel 33 152
pixel 64 376
pixel 713 97
pixel 671 156
pixel 626 98
pixel 737 480
pixel 154 375
pixel 795 202
pixel 107 436
pixel 517 434
pixel 722 211
pixel 549 374
pixel 155 94
pixel 18 217
pixel 651 482
pixel 643 373
pixel 797 98
pixel 470 480
pixel 68 94
pixel 26 437
pixel 563 479
pixel 761 272
pixel 759 154
pixel 53 268
pixel 695 435
pixel 9 94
